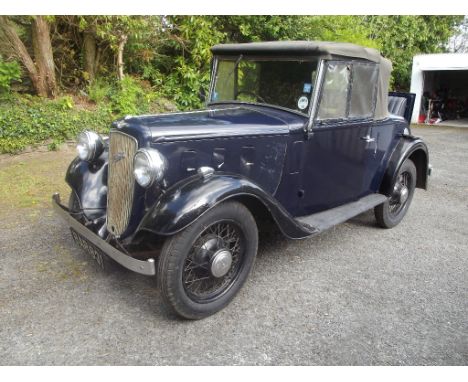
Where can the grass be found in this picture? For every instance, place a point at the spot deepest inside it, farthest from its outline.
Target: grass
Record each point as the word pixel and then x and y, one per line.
pixel 29 180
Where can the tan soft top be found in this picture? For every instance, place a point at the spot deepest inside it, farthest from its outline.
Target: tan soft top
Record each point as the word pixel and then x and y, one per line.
pixel 323 49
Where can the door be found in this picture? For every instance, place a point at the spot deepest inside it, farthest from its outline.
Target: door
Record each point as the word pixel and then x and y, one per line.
pixel 340 145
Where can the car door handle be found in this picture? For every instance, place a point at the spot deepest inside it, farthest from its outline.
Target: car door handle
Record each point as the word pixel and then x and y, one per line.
pixel 368 138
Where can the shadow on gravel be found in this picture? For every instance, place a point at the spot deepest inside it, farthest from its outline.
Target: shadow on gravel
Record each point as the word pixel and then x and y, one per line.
pixel 365 219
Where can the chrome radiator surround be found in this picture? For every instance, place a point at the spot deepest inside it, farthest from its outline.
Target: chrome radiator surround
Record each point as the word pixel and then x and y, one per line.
pixel 120 181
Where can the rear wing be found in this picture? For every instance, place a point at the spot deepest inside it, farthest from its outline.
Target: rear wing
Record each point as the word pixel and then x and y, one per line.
pixel 401 104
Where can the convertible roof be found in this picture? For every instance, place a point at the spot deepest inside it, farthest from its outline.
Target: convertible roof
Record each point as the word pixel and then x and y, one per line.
pixel 301 48
pixel 323 49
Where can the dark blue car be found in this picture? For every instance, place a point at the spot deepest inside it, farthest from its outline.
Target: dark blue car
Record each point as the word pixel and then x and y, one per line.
pixel 297 133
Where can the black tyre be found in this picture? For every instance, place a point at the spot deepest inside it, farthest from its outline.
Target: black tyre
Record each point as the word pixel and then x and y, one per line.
pixel 203 267
pixel 390 213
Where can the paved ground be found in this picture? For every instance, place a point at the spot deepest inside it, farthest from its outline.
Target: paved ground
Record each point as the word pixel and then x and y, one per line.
pixel 356 294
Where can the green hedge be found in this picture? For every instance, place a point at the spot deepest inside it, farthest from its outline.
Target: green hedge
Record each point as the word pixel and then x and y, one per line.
pixel 27 120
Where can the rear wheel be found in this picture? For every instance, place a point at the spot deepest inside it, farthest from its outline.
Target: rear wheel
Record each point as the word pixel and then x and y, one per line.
pixel 390 213
pixel 202 268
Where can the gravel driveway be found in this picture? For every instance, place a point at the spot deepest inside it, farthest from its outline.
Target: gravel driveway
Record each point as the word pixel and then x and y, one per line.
pixel 354 295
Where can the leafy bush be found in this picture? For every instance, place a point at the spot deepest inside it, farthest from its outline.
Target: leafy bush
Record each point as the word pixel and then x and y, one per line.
pixel 27 120
pixel 187 73
pixel 66 102
pixel 130 97
pixel 125 96
pixel 9 71
pixel 99 90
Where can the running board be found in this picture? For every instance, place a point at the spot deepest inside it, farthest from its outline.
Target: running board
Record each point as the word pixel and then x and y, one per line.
pixel 322 221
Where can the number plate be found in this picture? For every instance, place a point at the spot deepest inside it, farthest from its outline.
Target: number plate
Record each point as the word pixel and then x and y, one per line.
pixel 90 248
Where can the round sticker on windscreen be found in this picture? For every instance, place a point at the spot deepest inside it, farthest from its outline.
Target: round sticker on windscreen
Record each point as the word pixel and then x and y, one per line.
pixel 302 103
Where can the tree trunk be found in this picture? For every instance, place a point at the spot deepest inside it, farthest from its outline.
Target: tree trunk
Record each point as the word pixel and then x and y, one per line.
pixel 44 55
pixel 120 62
pixel 22 53
pixel 97 59
pixel 90 55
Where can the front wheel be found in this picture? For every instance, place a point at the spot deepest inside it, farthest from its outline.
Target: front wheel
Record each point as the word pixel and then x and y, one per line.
pixel 390 213
pixel 202 268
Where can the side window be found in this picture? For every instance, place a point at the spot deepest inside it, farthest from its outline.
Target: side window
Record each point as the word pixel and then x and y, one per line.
pixel 363 90
pixel 348 91
pixel 335 89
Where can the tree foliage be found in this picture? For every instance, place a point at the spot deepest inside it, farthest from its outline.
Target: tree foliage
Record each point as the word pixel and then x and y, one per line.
pixel 99 68
pixel 402 37
pixel 185 74
pixel 398 37
pixel 171 54
pixel 459 41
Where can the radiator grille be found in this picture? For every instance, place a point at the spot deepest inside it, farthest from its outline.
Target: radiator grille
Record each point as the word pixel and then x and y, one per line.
pixel 120 182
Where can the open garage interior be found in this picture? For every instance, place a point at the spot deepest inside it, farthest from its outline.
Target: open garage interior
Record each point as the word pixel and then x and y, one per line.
pixel 440 82
pixel 445 97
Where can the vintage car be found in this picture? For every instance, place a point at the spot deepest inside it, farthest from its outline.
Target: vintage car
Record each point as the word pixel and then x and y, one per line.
pixel 296 133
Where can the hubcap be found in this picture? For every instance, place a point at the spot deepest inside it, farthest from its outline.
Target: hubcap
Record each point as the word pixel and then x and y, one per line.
pixel 221 263
pixel 401 193
pixel 404 195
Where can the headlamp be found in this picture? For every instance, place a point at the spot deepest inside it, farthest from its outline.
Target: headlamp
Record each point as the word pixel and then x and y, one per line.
pixel 148 167
pixel 90 145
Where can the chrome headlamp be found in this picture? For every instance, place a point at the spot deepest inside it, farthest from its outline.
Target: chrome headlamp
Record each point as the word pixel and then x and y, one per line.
pixel 148 166
pixel 90 145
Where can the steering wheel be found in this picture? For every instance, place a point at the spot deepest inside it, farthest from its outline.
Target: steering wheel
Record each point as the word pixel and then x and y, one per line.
pixel 249 92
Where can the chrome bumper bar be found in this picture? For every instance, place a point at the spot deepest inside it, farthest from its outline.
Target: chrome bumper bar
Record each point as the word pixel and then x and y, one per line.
pixel 145 267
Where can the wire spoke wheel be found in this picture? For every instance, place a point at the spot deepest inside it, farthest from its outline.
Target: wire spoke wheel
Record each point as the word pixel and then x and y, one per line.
pixel 203 267
pixel 214 261
pixel 390 213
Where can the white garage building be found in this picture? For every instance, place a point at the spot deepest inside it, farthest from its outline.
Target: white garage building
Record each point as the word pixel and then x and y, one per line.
pixel 446 73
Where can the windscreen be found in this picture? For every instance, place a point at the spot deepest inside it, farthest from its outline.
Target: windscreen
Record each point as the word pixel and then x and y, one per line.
pixel 287 84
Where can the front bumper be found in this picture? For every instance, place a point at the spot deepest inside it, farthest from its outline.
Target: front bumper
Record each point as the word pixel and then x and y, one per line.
pixel 145 267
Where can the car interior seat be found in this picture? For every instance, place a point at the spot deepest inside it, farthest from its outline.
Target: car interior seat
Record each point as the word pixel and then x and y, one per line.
pixel 397 105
